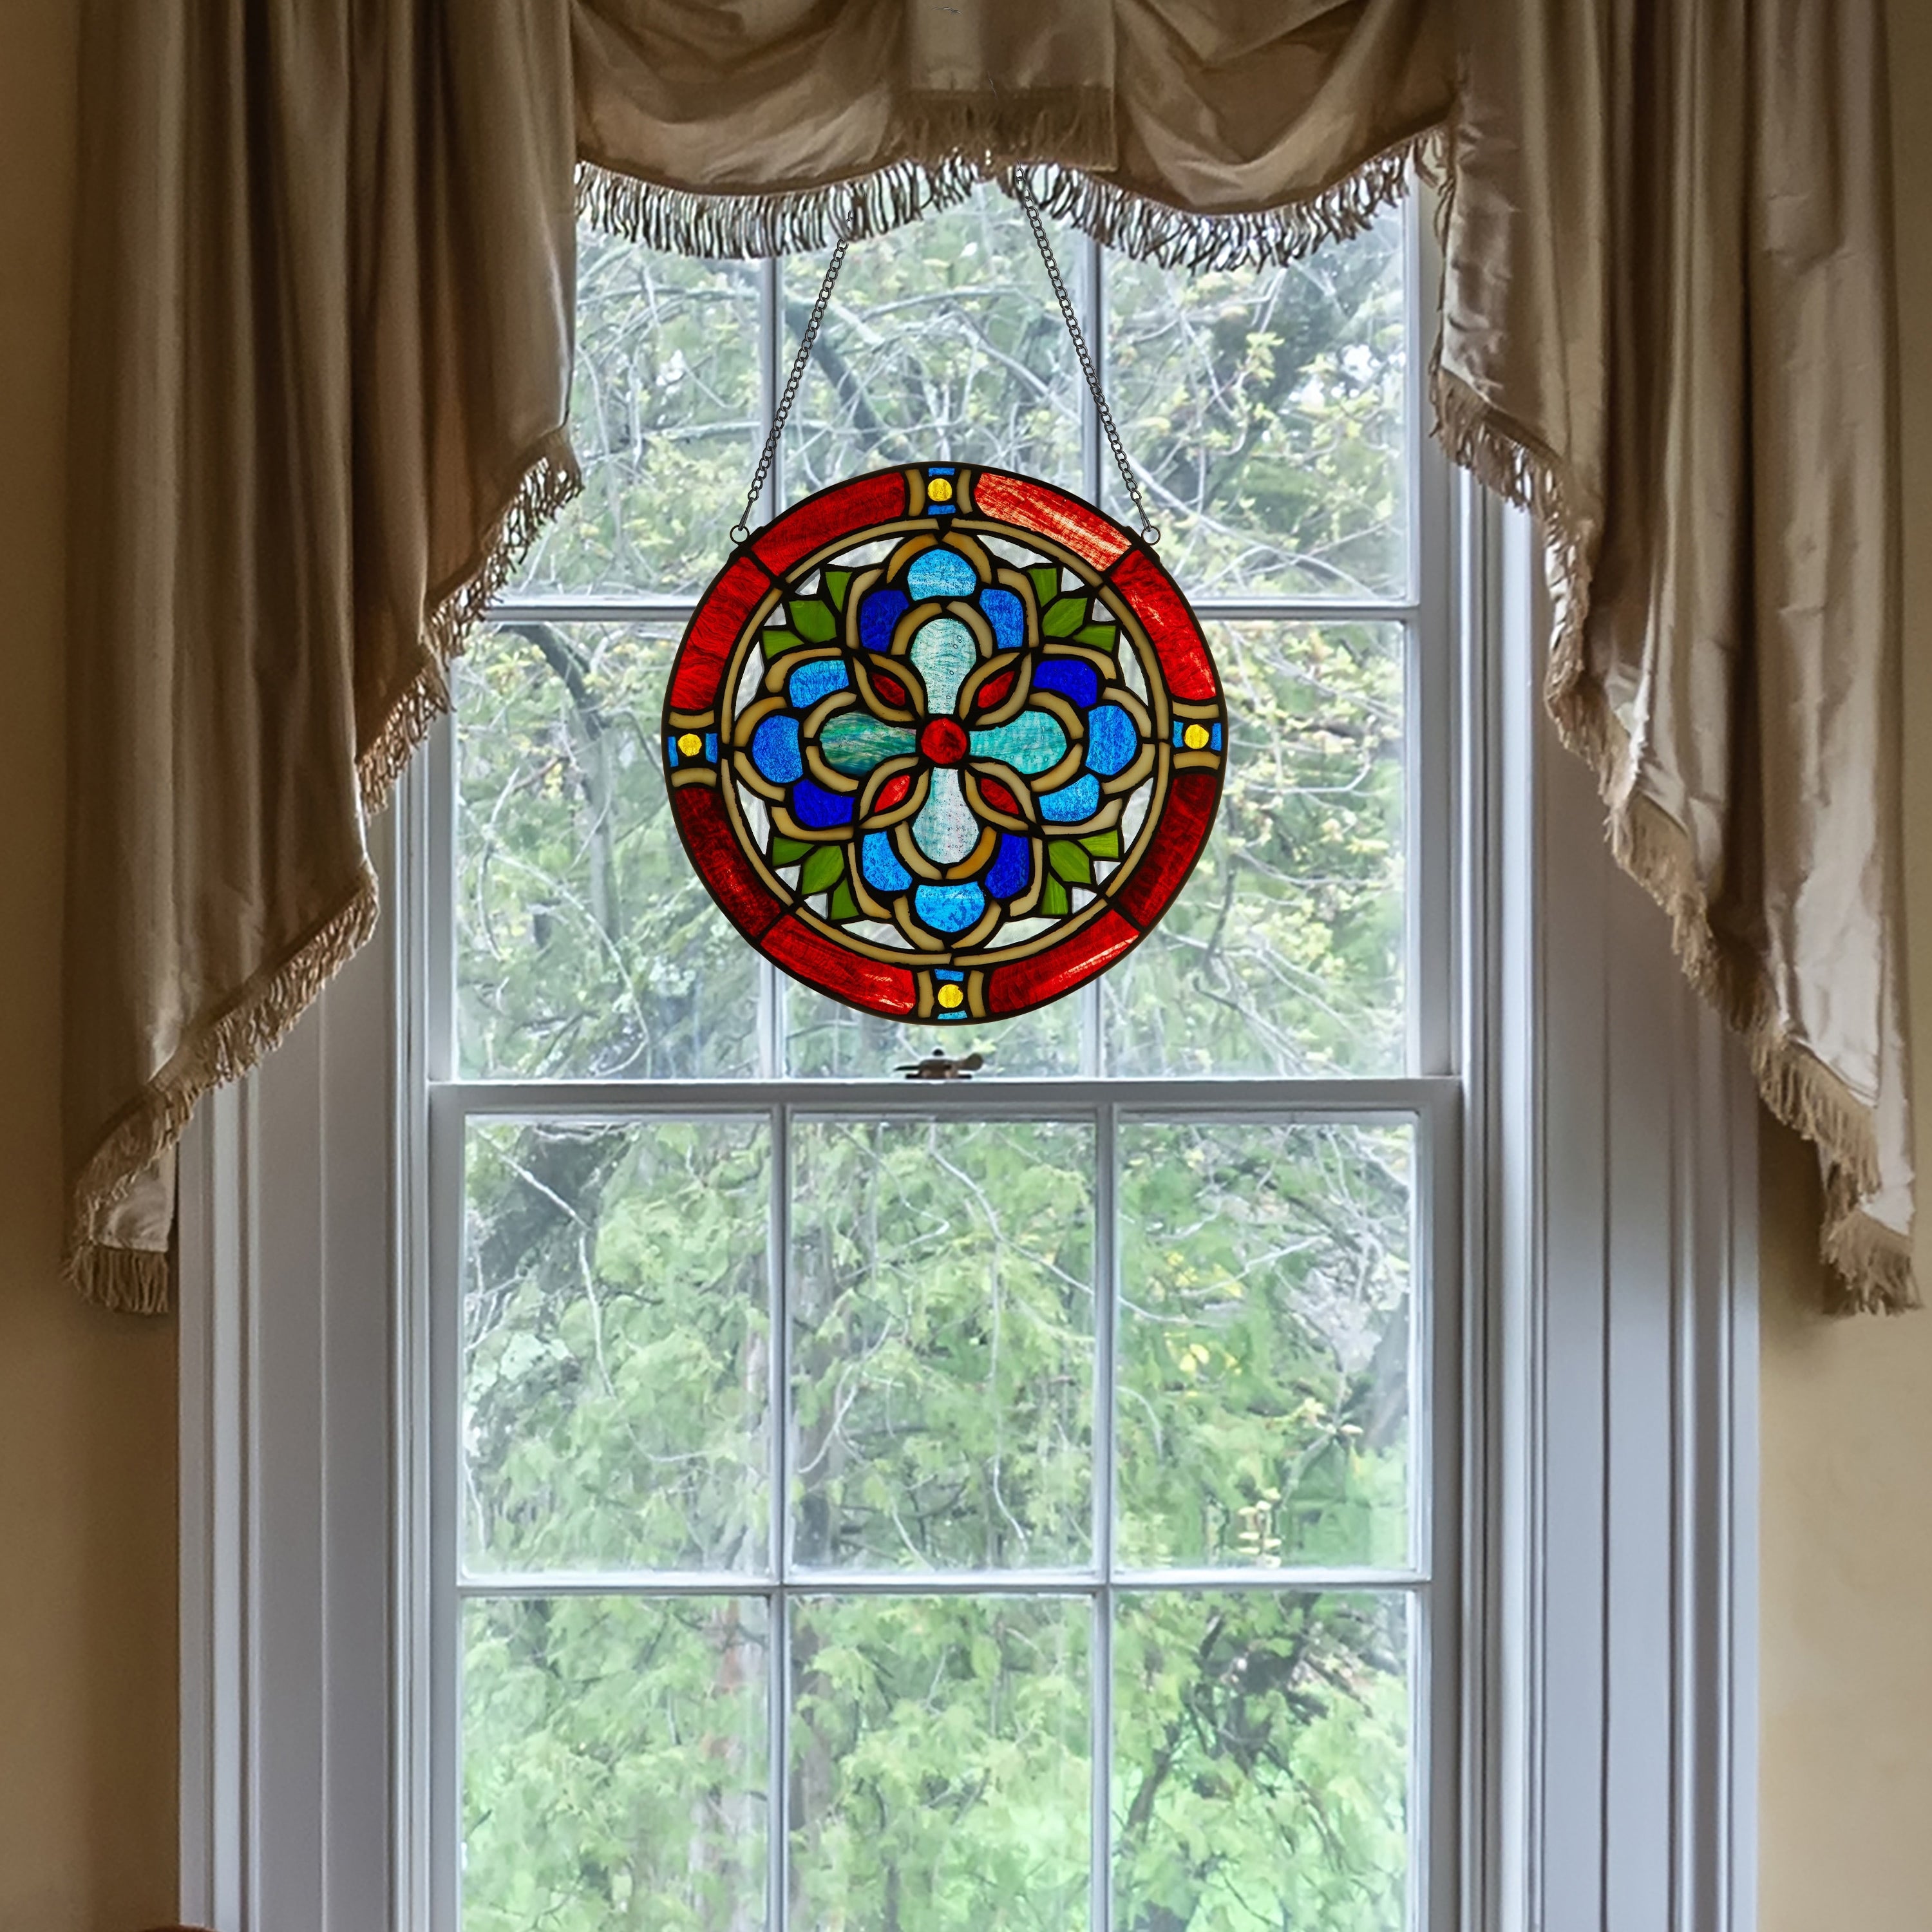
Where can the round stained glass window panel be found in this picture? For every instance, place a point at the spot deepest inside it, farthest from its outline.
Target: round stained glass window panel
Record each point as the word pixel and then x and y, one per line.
pixel 944 743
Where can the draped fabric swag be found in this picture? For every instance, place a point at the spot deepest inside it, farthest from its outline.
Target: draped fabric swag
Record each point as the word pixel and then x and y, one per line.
pixel 321 349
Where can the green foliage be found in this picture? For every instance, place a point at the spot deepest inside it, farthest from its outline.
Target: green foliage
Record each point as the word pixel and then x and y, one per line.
pixel 1264 411
pixel 617 1369
pixel 1283 953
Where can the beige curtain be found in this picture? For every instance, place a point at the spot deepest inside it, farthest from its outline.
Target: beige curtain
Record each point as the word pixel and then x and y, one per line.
pixel 1667 326
pixel 322 349
pixel 321 359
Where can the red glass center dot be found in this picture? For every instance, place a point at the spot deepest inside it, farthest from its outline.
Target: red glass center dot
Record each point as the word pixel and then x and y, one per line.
pixel 943 741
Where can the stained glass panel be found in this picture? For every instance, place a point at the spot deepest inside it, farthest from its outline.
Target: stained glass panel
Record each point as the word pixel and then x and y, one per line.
pixel 951 754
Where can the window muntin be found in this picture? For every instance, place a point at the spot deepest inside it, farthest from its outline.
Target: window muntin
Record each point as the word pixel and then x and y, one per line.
pixel 1211 1122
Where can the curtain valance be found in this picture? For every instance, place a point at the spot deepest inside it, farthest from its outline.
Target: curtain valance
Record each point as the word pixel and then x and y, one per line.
pixel 1177 129
pixel 322 352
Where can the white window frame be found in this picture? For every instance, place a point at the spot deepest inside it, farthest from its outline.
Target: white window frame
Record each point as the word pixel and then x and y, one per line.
pixel 1595 1727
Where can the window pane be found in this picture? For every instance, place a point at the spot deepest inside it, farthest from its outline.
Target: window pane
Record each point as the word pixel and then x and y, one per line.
pixel 1264 408
pixel 616 1347
pixel 1283 954
pixel 939 1763
pixel 664 418
pixel 615 1765
pixel 1260 1776
pixel 943 341
pixel 942 1344
pixel 1264 1340
pixel 586 943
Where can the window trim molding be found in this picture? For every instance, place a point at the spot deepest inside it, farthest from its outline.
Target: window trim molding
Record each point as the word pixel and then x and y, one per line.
pixel 1611 1709
pixel 1605 1720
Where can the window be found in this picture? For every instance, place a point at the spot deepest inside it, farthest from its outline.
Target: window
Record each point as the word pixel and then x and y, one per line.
pixel 1014 1503
pixel 524 1573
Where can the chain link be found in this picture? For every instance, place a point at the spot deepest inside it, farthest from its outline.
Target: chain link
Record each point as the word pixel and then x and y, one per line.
pixel 741 531
pixel 1149 530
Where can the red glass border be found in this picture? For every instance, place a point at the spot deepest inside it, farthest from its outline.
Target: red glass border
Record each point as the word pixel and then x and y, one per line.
pixel 1163 867
pixel 878 498
pixel 1032 982
pixel 705 829
pixel 715 626
pixel 829 968
pixel 1030 504
pixel 1171 625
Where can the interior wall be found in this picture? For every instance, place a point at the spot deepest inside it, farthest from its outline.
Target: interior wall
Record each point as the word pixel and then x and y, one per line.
pixel 87 1465
pixel 1846 1502
pixel 87 1447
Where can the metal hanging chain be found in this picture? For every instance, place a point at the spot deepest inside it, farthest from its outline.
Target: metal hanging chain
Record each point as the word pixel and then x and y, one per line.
pixel 741 531
pixel 1149 530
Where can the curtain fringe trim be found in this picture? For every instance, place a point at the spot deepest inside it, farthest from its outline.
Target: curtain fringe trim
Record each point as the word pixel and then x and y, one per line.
pixel 1174 238
pixel 129 1281
pixel 548 478
pixel 1872 1264
pixel 813 219
pixel 810 221
pixel 140 1281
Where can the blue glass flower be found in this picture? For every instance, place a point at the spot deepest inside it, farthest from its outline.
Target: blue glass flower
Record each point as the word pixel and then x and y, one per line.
pixel 943 739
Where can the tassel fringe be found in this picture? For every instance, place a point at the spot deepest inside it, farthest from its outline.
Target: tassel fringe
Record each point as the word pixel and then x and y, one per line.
pixel 1871 1264
pixel 978 148
pixel 731 225
pixel 129 1281
pixel 140 1281
pixel 1173 238
pixel 548 478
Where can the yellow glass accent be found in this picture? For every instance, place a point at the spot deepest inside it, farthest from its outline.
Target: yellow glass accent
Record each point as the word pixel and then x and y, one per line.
pixel 950 995
pixel 1195 737
pixel 690 744
pixel 940 490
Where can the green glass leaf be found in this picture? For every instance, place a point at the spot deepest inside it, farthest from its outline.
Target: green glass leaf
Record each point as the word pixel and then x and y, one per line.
pixel 1101 637
pixel 813 618
pixel 787 851
pixel 777 643
pixel 1065 857
pixel 844 905
pixel 837 583
pixel 824 869
pixel 1053 901
pixel 1064 618
pixel 1103 844
pixel 1045 582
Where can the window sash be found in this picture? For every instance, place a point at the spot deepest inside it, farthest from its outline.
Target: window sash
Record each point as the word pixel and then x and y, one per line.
pixel 1428 1098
